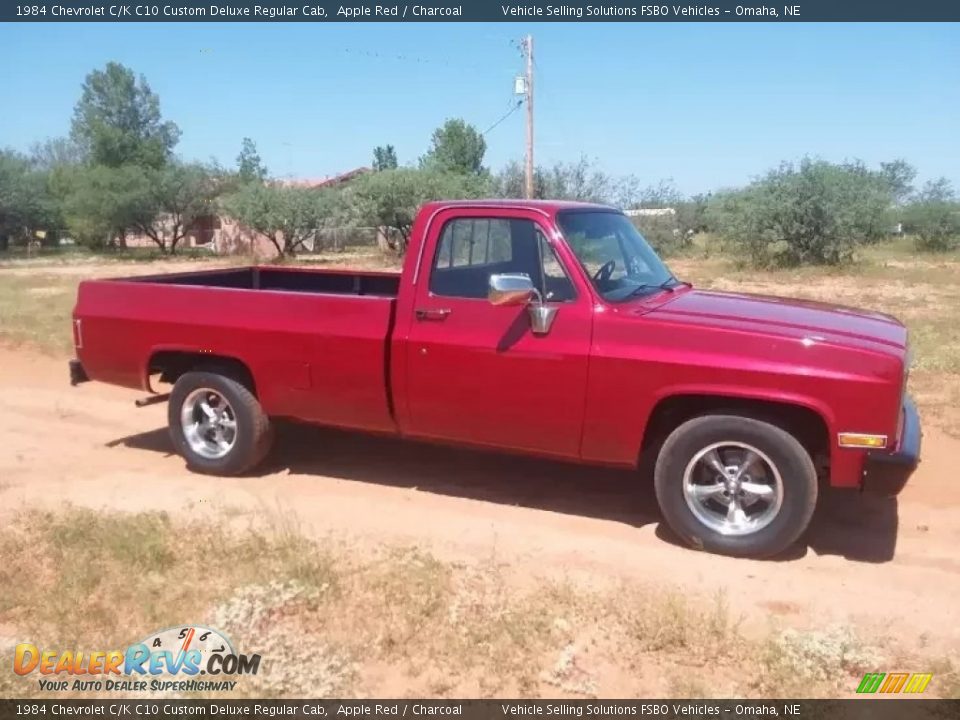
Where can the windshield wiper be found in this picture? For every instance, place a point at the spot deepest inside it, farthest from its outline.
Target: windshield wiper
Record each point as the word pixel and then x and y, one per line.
pixel 644 288
pixel 676 283
pixel 665 285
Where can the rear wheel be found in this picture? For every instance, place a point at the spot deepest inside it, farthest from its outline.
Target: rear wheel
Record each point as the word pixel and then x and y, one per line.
pixel 217 424
pixel 735 485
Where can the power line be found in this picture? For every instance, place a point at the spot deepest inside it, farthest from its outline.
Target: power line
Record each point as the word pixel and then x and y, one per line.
pixel 514 105
pixel 418 59
pixel 509 112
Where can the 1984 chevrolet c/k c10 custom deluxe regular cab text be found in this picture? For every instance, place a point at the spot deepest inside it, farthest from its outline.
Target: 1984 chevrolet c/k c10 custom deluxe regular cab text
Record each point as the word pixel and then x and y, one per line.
pixel 547 328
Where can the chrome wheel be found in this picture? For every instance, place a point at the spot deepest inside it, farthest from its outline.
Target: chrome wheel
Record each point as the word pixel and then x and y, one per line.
pixel 209 423
pixel 733 488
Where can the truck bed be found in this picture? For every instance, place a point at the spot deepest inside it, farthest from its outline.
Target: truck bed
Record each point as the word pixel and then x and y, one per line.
pixel 316 342
pixel 337 282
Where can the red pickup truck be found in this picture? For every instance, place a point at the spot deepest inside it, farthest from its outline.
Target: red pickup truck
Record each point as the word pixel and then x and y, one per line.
pixel 547 328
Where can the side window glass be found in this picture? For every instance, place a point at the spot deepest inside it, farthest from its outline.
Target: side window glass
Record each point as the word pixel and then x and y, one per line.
pixel 466 242
pixel 472 249
pixel 556 285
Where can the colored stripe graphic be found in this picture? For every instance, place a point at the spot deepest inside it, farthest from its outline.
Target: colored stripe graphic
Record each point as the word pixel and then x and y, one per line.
pixel 918 682
pixel 871 682
pixel 894 683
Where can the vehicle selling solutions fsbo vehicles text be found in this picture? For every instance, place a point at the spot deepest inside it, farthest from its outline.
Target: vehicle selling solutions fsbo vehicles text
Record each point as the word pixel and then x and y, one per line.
pixel 653 11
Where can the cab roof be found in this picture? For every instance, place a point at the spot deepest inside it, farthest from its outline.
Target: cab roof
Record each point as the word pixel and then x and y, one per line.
pixel 546 206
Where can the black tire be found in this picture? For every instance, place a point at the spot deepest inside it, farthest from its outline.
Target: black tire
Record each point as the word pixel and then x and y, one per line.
pixel 254 434
pixel 789 458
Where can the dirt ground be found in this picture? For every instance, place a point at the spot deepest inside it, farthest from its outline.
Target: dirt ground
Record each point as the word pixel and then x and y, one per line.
pixel 871 563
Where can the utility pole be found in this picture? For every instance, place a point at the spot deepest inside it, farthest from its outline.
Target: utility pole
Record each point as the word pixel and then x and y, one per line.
pixel 528 91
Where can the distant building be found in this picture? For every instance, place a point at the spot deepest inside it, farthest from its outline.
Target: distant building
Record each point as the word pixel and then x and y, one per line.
pixel 650 212
pixel 324 182
pixel 224 236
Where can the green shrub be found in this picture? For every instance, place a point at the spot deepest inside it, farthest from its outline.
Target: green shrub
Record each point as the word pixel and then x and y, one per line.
pixel 934 217
pixel 817 213
pixel 663 233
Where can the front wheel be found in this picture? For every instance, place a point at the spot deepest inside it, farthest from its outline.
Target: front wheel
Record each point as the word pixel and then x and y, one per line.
pixel 217 424
pixel 735 485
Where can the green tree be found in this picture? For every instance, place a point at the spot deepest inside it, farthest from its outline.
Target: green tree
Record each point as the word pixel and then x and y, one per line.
pixel 815 213
pixel 250 167
pixel 692 214
pixel 101 204
pixel 899 176
pixel 391 198
pixel 510 182
pixel 54 158
pixel 169 200
pixel 581 180
pixel 384 158
pixel 117 120
pixel 662 195
pixel 25 203
pixel 286 216
pixel 54 153
pixel 456 147
pixel 934 217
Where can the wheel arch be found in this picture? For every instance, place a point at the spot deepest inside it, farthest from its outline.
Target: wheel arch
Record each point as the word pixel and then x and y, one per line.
pixel 171 363
pixel 810 424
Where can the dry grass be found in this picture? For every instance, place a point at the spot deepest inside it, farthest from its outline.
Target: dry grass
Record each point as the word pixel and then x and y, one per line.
pixel 328 621
pixel 35 310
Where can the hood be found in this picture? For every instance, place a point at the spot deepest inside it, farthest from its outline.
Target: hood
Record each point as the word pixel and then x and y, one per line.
pixel 784 317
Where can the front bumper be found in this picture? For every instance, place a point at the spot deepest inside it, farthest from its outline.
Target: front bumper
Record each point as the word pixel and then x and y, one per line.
pixel 77 373
pixel 886 473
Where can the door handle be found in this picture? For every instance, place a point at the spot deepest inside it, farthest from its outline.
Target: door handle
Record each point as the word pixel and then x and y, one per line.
pixel 432 313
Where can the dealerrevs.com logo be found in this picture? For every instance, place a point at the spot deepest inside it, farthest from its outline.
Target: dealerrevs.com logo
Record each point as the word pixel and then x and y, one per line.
pixel 182 659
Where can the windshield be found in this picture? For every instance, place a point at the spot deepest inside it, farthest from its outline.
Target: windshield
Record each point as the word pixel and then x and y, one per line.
pixel 615 255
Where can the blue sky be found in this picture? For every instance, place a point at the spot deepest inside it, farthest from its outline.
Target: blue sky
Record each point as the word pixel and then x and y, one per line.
pixel 707 104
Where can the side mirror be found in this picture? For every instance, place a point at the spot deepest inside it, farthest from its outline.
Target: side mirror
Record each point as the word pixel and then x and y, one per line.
pixel 518 289
pixel 511 289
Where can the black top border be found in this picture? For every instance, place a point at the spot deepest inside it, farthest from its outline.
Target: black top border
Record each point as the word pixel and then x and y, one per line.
pixel 479 11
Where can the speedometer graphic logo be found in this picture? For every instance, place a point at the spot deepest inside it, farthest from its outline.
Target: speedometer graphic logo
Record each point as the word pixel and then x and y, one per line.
pixel 197 643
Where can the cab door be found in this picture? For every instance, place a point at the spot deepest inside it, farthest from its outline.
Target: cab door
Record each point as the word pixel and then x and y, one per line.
pixel 475 372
